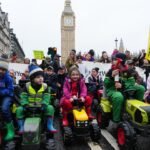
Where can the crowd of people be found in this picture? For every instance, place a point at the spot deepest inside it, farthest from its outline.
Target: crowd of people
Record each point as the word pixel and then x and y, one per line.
pixel 68 82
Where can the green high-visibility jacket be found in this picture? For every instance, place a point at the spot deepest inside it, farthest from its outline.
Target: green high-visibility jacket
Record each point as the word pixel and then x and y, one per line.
pixel 29 95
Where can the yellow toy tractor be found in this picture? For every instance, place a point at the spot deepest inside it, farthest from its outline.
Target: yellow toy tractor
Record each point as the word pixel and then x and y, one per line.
pixel 80 125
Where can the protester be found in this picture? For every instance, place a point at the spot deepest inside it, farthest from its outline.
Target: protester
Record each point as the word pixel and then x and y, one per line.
pixel 128 55
pixel 61 75
pixel 89 56
pixel 25 75
pixel 26 61
pixel 45 63
pixel 82 67
pixel 113 87
pixel 51 78
pixel 12 74
pixel 141 58
pixel 95 84
pixel 71 60
pixel 104 58
pixel 115 51
pixel 56 63
pixel 74 88
pixel 132 71
pixel 29 96
pixel 6 97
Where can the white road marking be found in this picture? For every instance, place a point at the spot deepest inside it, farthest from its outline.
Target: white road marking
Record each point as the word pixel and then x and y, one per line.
pixel 94 146
pixel 112 141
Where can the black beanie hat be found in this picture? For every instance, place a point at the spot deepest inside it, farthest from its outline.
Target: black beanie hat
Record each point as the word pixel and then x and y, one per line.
pixel 121 56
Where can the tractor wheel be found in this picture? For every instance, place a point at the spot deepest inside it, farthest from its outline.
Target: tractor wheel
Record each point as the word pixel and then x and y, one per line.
pixel 126 136
pixel 67 135
pixel 50 145
pixel 95 132
pixel 102 118
pixel 9 146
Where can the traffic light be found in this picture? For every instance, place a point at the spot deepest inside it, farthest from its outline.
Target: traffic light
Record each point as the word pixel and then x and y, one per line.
pixel 52 51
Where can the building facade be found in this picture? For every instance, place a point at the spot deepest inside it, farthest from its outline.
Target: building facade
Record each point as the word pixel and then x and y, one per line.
pixel 8 40
pixel 5 40
pixel 67 31
pixel 15 46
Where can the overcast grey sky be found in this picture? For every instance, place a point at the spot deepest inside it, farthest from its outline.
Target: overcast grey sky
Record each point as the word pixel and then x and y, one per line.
pixel 37 23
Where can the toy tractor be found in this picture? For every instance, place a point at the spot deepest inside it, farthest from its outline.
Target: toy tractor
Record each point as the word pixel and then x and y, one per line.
pixel 135 120
pixel 79 124
pixel 34 136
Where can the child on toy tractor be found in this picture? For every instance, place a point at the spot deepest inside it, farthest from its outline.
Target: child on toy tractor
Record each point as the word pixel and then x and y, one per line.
pixel 6 99
pixel 36 92
pixel 74 88
pixel 95 85
pixel 115 87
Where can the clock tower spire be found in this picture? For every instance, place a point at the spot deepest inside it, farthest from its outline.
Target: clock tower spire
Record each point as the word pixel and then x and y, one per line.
pixel 67 30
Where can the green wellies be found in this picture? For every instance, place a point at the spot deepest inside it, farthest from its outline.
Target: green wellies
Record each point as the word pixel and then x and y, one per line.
pixel 117 98
pixel 10 131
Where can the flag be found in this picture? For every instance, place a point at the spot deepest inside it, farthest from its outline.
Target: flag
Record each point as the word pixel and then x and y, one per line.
pixel 148 48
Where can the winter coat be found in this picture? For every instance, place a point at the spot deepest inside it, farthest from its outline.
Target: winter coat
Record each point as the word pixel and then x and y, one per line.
pixel 128 82
pixel 51 81
pixel 69 63
pixel 6 85
pixel 93 87
pixel 67 93
pixel 40 94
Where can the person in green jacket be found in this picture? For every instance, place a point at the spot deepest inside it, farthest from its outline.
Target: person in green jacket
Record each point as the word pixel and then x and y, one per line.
pixel 35 92
pixel 114 89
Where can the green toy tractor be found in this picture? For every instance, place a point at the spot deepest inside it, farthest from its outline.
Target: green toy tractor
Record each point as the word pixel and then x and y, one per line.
pixel 34 136
pixel 135 120
pixel 80 125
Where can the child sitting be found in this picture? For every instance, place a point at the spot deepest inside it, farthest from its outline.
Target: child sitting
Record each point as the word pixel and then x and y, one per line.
pixel 29 96
pixel 6 98
pixel 74 87
pixel 95 84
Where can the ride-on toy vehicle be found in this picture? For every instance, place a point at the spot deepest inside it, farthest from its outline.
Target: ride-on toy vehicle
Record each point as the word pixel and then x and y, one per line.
pixel 135 120
pixel 79 124
pixel 35 136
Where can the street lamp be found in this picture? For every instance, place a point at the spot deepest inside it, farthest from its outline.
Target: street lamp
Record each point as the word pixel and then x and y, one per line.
pixel 116 42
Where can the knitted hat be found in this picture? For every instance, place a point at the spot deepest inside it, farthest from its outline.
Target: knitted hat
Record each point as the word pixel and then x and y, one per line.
pixel 34 71
pixel 3 64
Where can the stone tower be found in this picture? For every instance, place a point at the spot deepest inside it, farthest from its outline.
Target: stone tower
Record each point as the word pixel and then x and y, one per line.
pixel 67 30
pixel 121 47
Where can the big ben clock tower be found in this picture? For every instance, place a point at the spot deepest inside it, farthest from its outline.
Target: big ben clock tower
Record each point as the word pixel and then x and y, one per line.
pixel 67 30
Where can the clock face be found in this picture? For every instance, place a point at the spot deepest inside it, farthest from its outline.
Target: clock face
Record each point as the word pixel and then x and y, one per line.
pixel 68 21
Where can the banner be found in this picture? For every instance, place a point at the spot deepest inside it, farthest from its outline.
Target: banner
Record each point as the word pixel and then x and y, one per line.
pixel 148 48
pixel 18 69
pixel 38 54
pixel 103 69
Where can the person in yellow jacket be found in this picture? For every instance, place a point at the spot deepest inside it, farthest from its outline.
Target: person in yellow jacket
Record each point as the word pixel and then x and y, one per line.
pixel 36 91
